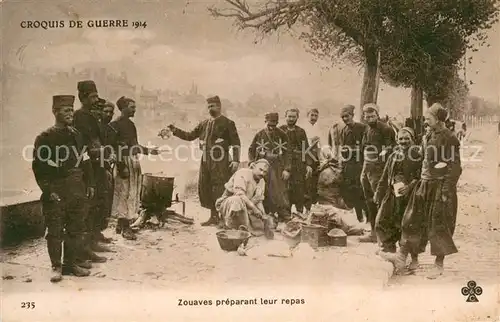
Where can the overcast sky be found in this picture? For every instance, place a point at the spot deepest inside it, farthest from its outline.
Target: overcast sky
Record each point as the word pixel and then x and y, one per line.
pixel 183 43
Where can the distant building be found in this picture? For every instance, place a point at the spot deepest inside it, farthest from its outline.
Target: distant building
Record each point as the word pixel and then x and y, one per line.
pixel 109 86
pixel 193 97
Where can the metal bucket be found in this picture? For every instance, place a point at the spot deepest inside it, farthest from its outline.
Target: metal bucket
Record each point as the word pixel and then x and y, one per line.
pixel 337 237
pixel 157 190
pixel 314 235
pixel 230 240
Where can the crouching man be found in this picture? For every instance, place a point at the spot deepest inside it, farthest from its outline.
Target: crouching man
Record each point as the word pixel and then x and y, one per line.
pixel 243 197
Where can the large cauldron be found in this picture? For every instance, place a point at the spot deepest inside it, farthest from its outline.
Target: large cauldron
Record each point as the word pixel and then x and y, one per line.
pixel 156 190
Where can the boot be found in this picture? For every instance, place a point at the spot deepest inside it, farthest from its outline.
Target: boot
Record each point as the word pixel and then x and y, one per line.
pixel 71 247
pixel 98 248
pixel 93 257
pixel 213 221
pixel 101 238
pixel 129 234
pixel 74 270
pixel 56 275
pixel 438 268
pixel 80 254
pixel 121 224
pixel 141 220
pixel 54 247
pixel 87 264
pixel 398 260
pixel 126 231
pixel 414 262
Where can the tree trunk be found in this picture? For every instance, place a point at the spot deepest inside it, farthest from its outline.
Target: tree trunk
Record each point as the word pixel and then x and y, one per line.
pixel 417 102
pixel 369 88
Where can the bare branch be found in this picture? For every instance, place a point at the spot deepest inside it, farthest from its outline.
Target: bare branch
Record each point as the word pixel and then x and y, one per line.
pixel 271 17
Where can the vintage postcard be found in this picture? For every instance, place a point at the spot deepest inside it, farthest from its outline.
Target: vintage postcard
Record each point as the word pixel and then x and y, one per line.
pixel 250 160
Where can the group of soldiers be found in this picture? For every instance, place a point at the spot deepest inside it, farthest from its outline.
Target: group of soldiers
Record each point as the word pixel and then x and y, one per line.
pixel 404 185
pixel 74 165
pixel 97 174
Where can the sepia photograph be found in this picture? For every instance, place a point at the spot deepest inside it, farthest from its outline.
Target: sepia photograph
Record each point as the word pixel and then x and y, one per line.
pixel 250 160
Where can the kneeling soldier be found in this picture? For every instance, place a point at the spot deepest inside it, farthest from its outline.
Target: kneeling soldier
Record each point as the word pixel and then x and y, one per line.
pixel 63 173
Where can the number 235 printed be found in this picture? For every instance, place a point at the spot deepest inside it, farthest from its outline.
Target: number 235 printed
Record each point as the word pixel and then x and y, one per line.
pixel 27 305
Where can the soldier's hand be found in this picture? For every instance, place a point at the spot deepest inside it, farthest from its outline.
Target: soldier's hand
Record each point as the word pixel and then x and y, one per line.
pixel 54 197
pixel 404 190
pixel 309 172
pixel 285 175
pixel 90 192
pixel 112 158
pixel 234 166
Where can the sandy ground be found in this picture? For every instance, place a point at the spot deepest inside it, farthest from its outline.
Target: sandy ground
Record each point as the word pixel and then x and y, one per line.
pixel 145 279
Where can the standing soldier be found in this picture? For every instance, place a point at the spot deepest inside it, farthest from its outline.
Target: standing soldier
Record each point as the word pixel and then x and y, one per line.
pixel 431 213
pixel 271 144
pixel 87 123
pixel 216 134
pixel 351 136
pixel 63 172
pixel 313 135
pixel 127 190
pixel 298 147
pixel 109 136
pixel 378 141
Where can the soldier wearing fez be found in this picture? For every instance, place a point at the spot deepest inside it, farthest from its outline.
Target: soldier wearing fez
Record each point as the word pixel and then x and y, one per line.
pixel 109 136
pixel 63 172
pixel 271 143
pixel 377 143
pixel 217 134
pixel 87 123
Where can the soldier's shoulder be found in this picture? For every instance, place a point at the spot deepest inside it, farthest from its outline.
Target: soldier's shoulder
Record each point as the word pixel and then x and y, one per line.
pixel 79 112
pixel 46 133
pixel 74 130
pixel 226 119
pixel 281 129
pixel 451 136
pixel 360 125
pixel 385 126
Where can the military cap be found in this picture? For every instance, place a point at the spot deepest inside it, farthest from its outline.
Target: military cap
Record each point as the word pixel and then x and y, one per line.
pixel 62 100
pixel 371 107
pixel 214 100
pixel 87 87
pixel 438 111
pixel 272 116
pixel 348 109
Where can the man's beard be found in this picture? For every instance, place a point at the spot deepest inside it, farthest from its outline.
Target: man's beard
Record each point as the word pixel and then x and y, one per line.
pixel 213 113
pixel 291 123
